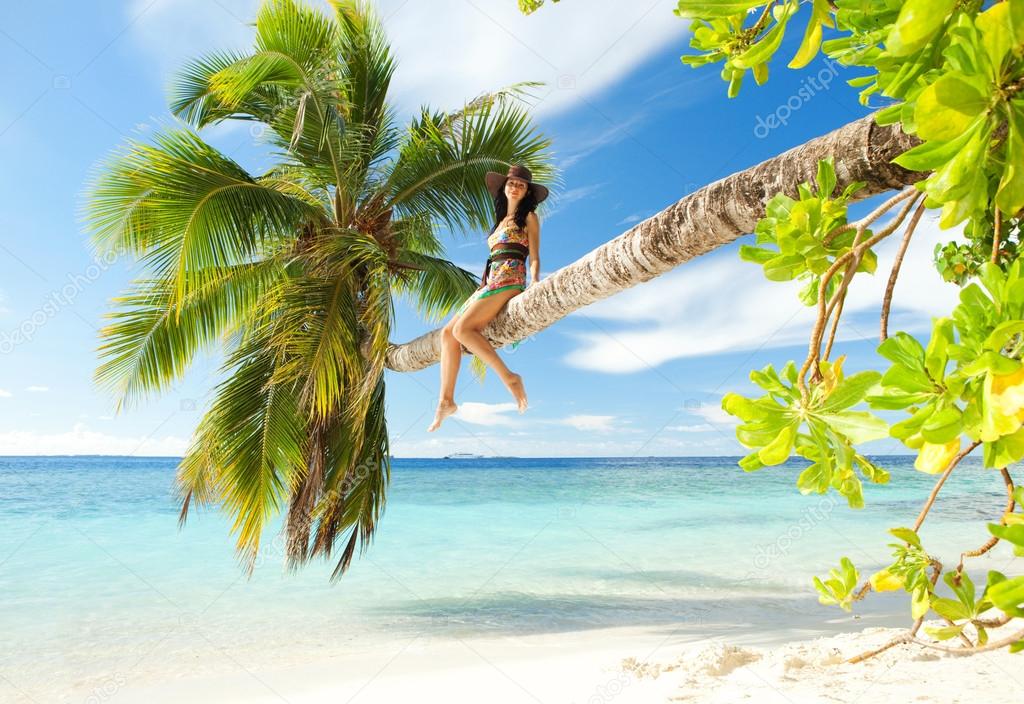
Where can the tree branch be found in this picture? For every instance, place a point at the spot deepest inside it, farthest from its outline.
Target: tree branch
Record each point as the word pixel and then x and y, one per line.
pixel 942 480
pixel 702 221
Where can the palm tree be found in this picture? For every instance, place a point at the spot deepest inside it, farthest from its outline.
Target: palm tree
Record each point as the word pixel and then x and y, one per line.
pixel 293 272
pixel 706 219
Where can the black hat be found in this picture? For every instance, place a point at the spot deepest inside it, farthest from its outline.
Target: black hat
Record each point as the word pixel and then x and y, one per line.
pixel 496 181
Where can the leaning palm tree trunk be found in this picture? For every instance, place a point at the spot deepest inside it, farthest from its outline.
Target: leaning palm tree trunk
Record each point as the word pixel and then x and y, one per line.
pixel 713 216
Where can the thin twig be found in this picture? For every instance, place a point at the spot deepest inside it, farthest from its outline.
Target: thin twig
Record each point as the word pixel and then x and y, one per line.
pixel 992 622
pixel 862 592
pixel 942 480
pixel 993 645
pixel 894 274
pixel 908 638
pixel 904 637
pixel 835 326
pixel 995 239
pixel 873 215
pixel 762 20
pixel 855 252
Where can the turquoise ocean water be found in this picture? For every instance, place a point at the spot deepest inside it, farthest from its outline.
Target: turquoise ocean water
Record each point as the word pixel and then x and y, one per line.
pixel 99 585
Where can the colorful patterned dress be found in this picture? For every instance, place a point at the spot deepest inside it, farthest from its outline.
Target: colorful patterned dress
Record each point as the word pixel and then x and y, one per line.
pixel 503 274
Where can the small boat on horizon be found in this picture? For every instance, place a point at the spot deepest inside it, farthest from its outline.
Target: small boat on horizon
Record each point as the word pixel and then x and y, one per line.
pixel 462 456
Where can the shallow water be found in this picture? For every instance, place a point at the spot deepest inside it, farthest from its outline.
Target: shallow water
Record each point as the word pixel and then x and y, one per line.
pixel 96 578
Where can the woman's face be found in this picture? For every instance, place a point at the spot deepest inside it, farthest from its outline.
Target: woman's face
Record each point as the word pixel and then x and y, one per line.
pixel 515 189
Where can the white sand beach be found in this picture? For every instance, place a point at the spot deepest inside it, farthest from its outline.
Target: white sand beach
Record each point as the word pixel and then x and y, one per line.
pixel 625 666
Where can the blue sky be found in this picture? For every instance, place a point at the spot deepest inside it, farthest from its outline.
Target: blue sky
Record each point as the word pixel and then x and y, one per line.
pixel 634 130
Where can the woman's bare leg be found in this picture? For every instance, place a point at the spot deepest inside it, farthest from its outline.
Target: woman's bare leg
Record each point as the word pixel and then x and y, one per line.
pixel 451 360
pixel 467 331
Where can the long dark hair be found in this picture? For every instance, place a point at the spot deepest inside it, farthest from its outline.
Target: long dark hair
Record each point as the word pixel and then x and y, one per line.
pixel 526 206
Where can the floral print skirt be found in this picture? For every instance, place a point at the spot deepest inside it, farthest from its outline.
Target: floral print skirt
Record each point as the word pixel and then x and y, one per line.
pixel 504 275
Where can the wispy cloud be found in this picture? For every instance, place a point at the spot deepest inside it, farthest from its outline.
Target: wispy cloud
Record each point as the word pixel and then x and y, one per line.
pixel 713 414
pixel 630 219
pixel 37 389
pixel 721 304
pixel 479 413
pixel 4 393
pixel 579 148
pixel 82 441
pixel 589 422
pixel 698 428
pixel 560 201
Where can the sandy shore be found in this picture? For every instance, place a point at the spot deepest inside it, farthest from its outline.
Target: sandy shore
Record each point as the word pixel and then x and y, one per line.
pixel 624 666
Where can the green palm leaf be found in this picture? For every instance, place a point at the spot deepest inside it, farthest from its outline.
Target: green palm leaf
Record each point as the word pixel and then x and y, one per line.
pixel 435 286
pixel 254 439
pixel 152 340
pixel 188 210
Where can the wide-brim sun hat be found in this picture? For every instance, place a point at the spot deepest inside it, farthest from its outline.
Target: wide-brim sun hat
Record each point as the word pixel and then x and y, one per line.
pixel 496 181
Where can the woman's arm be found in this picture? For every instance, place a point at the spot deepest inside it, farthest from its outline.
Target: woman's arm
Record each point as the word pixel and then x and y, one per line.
pixel 533 233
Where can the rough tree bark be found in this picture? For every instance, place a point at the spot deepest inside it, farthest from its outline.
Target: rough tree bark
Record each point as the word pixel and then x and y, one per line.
pixel 711 217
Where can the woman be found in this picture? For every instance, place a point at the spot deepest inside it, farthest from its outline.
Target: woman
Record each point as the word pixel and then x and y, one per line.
pixel 516 235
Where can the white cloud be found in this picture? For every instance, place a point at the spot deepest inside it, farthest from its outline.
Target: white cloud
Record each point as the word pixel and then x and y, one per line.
pixel 508 444
pixel 486 413
pixel 630 219
pixel 713 414
pixel 4 393
pixel 587 145
pixel 699 428
pixel 82 441
pixel 37 389
pixel 449 51
pixel 723 304
pixel 589 422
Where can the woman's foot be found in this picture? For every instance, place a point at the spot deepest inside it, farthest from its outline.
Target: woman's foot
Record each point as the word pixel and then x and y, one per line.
pixel 444 409
pixel 518 391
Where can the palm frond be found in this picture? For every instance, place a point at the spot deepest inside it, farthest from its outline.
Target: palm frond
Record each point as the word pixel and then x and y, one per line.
pixel 254 438
pixel 152 338
pixel 193 99
pixel 436 286
pixel 304 34
pixel 355 486
pixel 189 211
pixel 441 171
pixel 415 232
pixel 369 62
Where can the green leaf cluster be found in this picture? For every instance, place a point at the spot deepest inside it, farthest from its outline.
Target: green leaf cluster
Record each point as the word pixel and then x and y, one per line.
pixel 969 93
pixel 909 570
pixel 823 431
pixel 953 74
pixel 839 588
pixel 721 33
pixel 969 380
pixel 792 239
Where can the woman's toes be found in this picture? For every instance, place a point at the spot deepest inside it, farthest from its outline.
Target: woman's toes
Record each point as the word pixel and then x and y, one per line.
pixel 444 409
pixel 518 390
